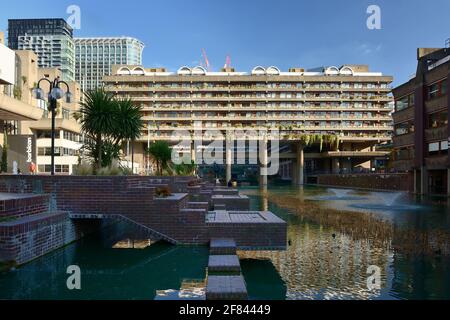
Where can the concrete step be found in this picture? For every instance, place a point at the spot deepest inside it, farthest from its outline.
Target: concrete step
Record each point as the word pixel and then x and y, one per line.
pixel 226 288
pixel 222 246
pixel 219 207
pixel 224 263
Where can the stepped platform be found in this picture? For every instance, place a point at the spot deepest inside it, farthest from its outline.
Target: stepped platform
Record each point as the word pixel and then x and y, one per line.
pixel 232 201
pixel 222 246
pixel 17 205
pixel 230 287
pixel 224 263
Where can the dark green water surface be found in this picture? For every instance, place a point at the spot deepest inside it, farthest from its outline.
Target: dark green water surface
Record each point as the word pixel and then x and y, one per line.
pixel 318 263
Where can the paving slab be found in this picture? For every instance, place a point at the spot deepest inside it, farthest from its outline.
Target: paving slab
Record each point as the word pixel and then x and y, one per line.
pixel 224 263
pixel 226 288
pixel 222 246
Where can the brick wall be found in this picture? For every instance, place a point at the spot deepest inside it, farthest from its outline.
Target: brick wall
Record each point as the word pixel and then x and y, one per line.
pixel 134 198
pixel 26 239
pixel 398 182
pixel 22 207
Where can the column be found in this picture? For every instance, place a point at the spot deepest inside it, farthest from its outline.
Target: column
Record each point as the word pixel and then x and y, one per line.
pixel 300 165
pixel 448 182
pixel 193 155
pixel 416 180
pixel 294 171
pixel 263 163
pixel 423 181
pixel 335 165
pixel 228 162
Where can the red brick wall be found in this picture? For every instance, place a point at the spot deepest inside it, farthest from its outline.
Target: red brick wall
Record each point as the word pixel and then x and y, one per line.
pixel 22 241
pixel 134 198
pixel 398 182
pixel 17 208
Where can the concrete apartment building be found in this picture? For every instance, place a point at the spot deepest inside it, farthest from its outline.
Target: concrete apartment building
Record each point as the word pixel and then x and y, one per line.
pixel 30 127
pixel 421 123
pixel 349 102
pixel 94 57
pixel 50 39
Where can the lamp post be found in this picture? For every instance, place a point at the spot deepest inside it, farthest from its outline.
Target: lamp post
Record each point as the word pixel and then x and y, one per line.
pixel 55 93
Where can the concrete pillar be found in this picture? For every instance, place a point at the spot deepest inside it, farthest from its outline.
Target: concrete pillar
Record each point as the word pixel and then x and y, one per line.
pixel 228 164
pixel 416 180
pixel 300 165
pixel 423 181
pixel 294 174
pixel 448 182
pixel 263 163
pixel 335 166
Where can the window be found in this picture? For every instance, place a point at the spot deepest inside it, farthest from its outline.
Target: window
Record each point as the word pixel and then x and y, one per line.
pixel 404 128
pixel 404 102
pixel 437 89
pixel 437 148
pixel 438 119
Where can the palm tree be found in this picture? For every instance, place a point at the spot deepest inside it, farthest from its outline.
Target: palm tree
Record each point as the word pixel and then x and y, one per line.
pixel 162 153
pixel 96 120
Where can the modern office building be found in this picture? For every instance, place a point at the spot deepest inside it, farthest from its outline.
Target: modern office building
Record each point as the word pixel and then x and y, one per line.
pixel 350 103
pixel 421 121
pixel 50 39
pixel 95 56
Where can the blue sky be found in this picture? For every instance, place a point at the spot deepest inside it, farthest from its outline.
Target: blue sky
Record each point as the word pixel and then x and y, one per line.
pixel 284 33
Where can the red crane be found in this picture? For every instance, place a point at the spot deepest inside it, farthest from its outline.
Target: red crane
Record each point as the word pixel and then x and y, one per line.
pixel 205 57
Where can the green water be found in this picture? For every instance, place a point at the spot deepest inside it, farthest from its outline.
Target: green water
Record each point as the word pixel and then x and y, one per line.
pixel 318 263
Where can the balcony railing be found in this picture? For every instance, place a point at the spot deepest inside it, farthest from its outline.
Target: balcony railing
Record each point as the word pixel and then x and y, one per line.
pixel 404 140
pixel 436 134
pixel 436 162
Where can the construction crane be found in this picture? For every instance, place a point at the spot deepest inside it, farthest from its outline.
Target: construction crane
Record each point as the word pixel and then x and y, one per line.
pixel 227 62
pixel 205 58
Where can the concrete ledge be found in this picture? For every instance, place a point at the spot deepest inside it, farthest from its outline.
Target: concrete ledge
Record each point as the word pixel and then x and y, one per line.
pixel 226 288
pixel 224 263
pixel 222 246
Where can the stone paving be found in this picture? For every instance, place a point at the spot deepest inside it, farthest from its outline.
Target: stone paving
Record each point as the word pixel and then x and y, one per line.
pixel 226 288
pixel 222 246
pixel 224 263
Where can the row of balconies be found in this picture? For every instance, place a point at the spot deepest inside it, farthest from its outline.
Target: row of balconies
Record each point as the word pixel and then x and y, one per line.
pixel 237 88
pixel 434 134
pixel 265 108
pixel 300 128
pixel 262 118
pixel 261 99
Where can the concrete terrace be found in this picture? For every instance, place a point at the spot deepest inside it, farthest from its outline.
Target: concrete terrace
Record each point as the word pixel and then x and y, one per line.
pixel 185 217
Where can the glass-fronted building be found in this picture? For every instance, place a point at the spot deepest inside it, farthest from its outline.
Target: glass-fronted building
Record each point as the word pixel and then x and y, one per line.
pixel 95 57
pixel 50 39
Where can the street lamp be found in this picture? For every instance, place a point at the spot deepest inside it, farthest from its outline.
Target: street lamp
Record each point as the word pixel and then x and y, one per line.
pixel 55 93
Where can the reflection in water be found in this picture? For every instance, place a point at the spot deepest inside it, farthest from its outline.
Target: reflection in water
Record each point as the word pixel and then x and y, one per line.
pixel 262 278
pixel 328 258
pixel 106 273
pixel 330 248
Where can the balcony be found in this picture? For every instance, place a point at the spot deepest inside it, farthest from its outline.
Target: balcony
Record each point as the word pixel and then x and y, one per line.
pixel 435 134
pixel 404 165
pixel 436 162
pixel 403 115
pixel 436 104
pixel 404 140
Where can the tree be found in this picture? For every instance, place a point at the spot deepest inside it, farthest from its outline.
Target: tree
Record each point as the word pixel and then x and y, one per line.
pixel 4 160
pixel 161 153
pixel 107 123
